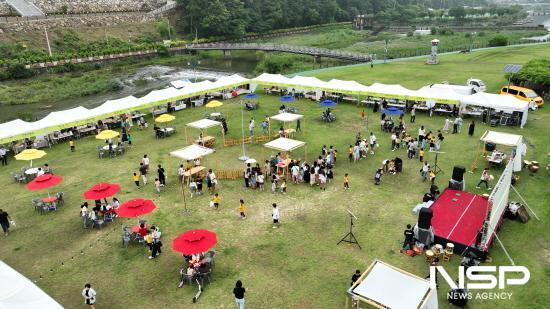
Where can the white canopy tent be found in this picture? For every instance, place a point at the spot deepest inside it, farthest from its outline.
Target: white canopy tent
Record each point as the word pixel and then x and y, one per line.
pixel 511 140
pixel 439 95
pixel 284 144
pixel 178 84
pixel 394 91
pixel 272 80
pixel 504 103
pixel 114 107
pixel 346 86
pixel 18 292
pixel 202 125
pixel 7 129
pixel 386 286
pixel 191 152
pixel 286 117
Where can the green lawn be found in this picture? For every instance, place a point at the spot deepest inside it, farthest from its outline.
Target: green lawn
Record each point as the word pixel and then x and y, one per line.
pixel 399 45
pixel 298 265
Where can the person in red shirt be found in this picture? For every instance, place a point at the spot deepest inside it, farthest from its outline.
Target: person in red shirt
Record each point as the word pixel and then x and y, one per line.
pixel 142 230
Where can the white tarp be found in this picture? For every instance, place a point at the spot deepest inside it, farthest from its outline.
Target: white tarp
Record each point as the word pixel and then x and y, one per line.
pixel 307 82
pixel 504 103
pixel 458 89
pixel 386 286
pixel 178 84
pixel 346 86
pixel 391 90
pixel 18 292
pixel 192 152
pixel 231 81
pixel 166 94
pixel 284 144
pixel 272 79
pixel 286 117
pixel 18 126
pixel 511 140
pixel 204 124
pixel 121 105
pixel 438 94
pixel 59 118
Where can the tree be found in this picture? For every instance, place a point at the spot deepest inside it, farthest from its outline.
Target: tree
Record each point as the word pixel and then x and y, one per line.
pixel 457 12
pixel 498 40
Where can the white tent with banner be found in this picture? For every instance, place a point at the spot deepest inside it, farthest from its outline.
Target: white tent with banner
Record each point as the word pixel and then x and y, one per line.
pixel 439 95
pixel 18 292
pixel 500 103
pixel 386 286
pixel 511 140
pixel 345 86
pixel 272 80
pixel 391 91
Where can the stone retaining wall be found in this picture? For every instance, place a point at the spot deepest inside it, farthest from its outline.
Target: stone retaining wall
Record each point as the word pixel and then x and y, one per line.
pixel 5 9
pixel 87 6
pixel 82 20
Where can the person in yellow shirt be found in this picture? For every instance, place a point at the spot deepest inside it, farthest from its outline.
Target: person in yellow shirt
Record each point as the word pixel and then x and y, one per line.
pixel 149 240
pixel 346 181
pixel 71 144
pixel 242 209
pixel 216 201
pixel 421 155
pixel 135 178
pixel 350 153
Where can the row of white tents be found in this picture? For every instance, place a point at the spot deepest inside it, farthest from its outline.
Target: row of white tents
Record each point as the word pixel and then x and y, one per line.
pixel 19 129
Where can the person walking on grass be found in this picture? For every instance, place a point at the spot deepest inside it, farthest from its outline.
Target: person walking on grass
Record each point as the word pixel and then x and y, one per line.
pixel 413 113
pixel 143 172
pixel 283 186
pixel 424 172
pixel 251 126
pixel 346 181
pixel 89 295
pixel 471 128
pixel 378 176
pixel 135 178
pixel 216 201
pixel 239 291
pixel 157 185
pixel 162 175
pixel 157 243
pixel 485 177
pixel 421 155
pixel 5 222
pixel 242 209
pixel 71 145
pixel 275 215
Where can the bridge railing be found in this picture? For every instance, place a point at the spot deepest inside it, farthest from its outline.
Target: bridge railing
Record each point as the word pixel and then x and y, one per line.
pixel 314 51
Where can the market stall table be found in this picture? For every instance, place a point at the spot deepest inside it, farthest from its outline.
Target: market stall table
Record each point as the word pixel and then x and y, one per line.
pixel 106 147
pixel 165 132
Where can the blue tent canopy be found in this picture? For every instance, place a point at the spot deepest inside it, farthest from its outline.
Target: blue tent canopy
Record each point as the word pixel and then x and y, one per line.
pixel 251 96
pixel 327 103
pixel 287 98
pixel 393 111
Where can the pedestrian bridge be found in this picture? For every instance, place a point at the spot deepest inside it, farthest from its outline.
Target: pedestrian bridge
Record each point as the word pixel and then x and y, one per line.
pixel 302 50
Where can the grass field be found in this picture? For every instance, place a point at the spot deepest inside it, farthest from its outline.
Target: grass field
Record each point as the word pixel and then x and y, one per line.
pixel 298 265
pixel 398 45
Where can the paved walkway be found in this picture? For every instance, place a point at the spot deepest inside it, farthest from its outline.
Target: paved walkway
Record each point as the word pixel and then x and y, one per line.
pixel 25 8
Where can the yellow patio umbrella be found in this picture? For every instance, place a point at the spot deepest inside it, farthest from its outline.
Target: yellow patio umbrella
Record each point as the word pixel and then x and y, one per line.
pixel 30 154
pixel 214 103
pixel 165 118
pixel 107 134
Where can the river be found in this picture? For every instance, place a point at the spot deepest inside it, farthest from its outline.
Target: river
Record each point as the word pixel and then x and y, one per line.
pixel 146 79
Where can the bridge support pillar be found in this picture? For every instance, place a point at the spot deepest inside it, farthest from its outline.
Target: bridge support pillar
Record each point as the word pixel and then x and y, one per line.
pixel 226 53
pixel 317 59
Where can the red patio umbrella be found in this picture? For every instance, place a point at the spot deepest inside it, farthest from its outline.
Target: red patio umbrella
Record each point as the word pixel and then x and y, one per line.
pixel 101 190
pixel 135 208
pixel 44 181
pixel 194 241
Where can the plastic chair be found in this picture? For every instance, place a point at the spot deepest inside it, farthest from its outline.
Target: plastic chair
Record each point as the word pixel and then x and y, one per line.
pixel 52 207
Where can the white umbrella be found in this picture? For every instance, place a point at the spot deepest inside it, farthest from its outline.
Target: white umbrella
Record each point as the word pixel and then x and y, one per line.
pixel 250 161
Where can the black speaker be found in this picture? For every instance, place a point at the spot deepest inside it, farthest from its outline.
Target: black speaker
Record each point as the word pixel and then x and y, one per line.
pixel 490 146
pixel 425 218
pixel 456 185
pixel 458 173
